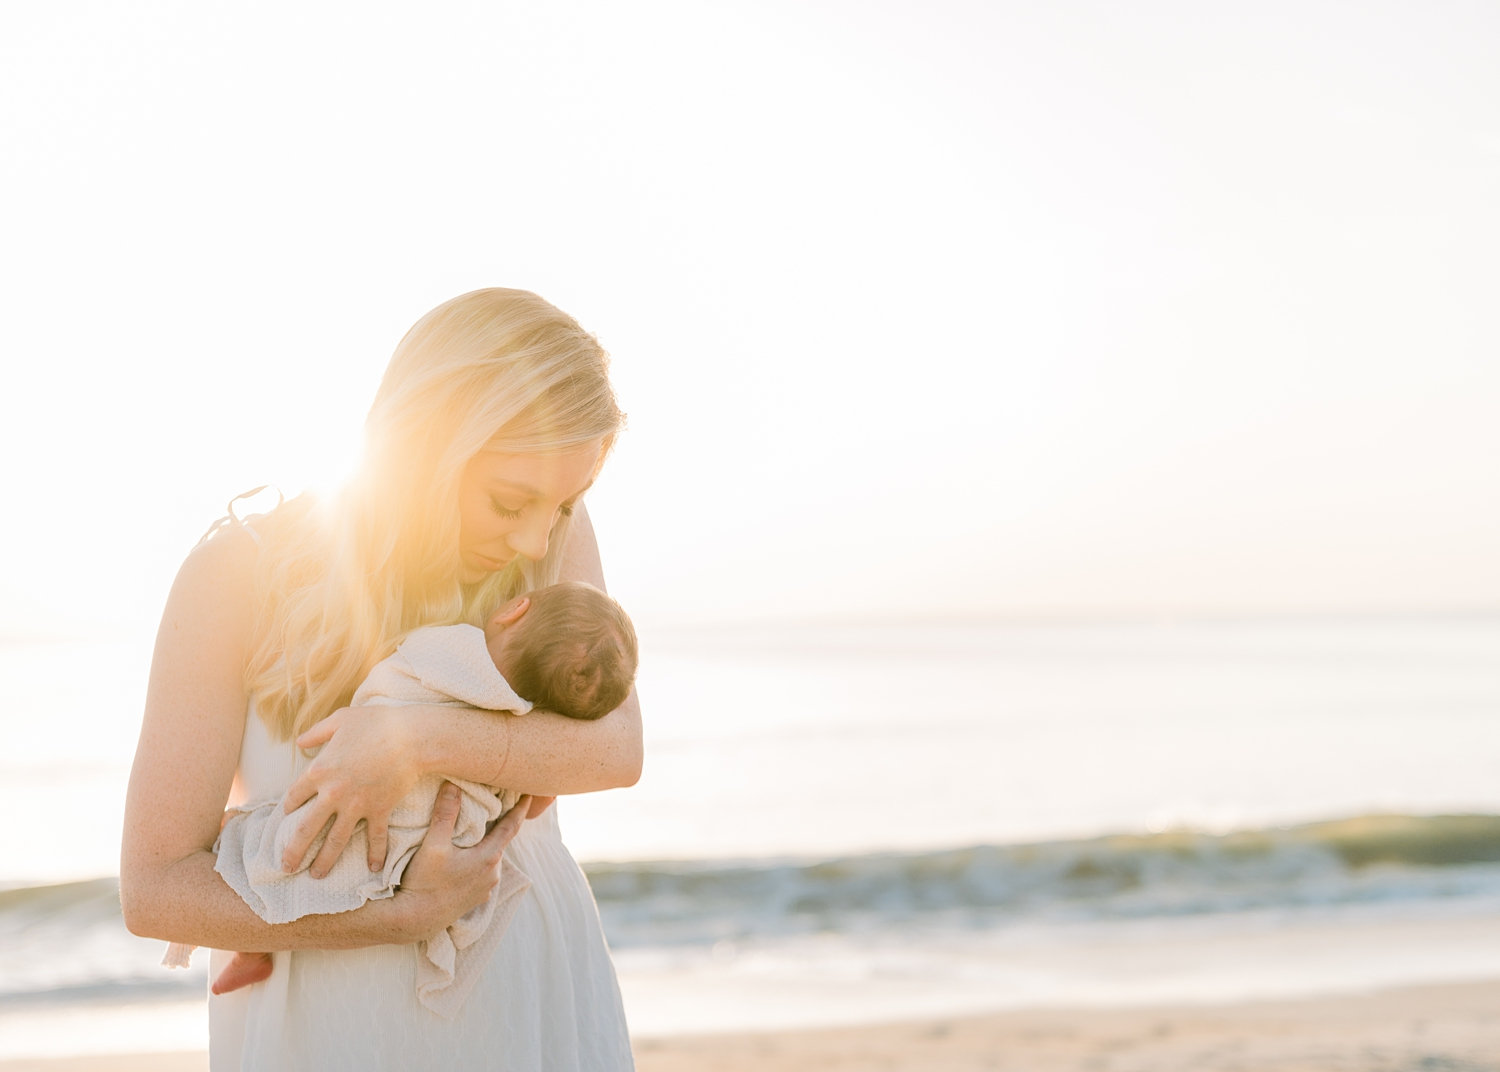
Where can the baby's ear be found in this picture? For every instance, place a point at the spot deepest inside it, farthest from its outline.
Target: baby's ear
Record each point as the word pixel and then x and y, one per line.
pixel 511 612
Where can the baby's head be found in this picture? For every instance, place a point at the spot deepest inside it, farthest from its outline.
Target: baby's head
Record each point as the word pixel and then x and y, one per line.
pixel 567 648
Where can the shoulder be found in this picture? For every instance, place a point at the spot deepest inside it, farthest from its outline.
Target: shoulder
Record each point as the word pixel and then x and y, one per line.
pixel 234 547
pixel 214 586
pixel 231 550
pixel 227 558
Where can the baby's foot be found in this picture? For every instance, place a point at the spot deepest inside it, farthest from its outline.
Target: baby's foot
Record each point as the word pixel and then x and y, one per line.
pixel 242 970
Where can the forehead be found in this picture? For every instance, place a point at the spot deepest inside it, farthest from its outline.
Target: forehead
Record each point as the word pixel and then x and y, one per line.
pixel 543 476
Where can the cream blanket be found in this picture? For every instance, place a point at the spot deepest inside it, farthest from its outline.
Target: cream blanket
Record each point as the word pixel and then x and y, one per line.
pixel 447 665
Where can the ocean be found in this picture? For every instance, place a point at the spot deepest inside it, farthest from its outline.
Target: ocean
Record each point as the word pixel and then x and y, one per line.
pixel 888 820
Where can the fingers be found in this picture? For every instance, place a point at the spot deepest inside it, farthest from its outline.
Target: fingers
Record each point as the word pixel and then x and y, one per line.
pixel 508 826
pixel 309 826
pixel 319 735
pixel 376 835
pixel 444 815
pixel 539 805
pixel 333 845
pixel 301 791
pixel 305 788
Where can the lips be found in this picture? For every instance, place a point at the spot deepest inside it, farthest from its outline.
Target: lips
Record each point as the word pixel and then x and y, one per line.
pixel 485 562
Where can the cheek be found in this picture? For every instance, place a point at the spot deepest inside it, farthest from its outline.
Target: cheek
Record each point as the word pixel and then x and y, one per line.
pixel 471 525
pixel 480 526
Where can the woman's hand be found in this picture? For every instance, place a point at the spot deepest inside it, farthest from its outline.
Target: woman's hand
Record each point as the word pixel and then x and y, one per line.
pixel 442 882
pixel 368 763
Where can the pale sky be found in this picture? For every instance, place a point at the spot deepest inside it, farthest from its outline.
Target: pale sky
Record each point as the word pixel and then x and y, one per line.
pixel 916 308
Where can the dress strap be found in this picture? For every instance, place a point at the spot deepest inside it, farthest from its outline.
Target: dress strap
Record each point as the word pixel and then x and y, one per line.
pixel 231 518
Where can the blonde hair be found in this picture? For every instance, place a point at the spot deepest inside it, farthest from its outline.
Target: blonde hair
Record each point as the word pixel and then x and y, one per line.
pixel 340 585
pixel 574 652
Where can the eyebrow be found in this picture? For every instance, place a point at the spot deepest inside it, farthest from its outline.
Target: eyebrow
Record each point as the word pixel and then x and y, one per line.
pixel 527 489
pixel 524 489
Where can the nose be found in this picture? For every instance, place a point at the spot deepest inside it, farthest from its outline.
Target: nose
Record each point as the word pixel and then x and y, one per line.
pixel 530 541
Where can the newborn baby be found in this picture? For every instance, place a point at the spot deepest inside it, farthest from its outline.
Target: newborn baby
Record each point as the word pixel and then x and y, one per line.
pixel 567 648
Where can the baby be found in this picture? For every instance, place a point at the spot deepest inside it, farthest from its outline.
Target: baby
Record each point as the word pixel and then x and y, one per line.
pixel 567 648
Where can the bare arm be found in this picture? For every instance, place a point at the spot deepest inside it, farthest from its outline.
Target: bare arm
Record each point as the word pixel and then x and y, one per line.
pixel 543 754
pixel 184 766
pixel 550 754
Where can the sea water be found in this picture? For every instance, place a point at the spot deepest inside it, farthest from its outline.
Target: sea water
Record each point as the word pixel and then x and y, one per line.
pixel 885 820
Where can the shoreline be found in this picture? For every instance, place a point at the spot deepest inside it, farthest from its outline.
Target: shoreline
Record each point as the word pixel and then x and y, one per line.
pixel 1453 1026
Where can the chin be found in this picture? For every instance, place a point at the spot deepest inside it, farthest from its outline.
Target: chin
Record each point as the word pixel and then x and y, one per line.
pixel 484 565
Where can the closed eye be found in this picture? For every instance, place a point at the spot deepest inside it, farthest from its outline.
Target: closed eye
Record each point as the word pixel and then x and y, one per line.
pixel 503 510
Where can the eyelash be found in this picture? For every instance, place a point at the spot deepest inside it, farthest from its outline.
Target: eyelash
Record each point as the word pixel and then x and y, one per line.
pixel 566 510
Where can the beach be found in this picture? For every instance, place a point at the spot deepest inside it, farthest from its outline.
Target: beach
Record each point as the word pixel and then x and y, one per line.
pixel 1056 513
pixel 1212 845
pixel 1441 1028
pixel 1451 1028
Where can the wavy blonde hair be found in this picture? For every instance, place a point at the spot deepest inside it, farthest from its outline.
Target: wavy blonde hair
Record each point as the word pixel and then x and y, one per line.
pixel 339 584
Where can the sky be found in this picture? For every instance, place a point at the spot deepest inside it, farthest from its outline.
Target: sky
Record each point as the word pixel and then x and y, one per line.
pixel 917 309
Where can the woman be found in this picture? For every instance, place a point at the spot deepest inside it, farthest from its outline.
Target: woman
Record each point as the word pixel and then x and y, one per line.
pixel 492 420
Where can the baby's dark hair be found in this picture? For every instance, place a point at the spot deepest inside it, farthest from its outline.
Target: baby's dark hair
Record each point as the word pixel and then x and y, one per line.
pixel 574 652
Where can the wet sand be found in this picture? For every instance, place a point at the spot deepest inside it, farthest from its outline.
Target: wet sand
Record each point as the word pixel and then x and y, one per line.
pixel 1451 1028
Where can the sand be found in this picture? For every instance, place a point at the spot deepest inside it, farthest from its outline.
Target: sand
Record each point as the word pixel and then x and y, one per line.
pixel 1452 1028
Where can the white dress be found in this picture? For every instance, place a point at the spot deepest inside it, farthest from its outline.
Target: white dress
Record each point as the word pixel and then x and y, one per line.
pixel 547 1002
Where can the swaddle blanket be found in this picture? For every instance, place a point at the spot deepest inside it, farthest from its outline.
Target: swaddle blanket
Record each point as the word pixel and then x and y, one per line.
pixel 447 665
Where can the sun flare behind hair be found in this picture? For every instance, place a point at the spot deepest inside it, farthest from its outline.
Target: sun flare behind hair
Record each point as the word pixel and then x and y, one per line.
pixel 341 581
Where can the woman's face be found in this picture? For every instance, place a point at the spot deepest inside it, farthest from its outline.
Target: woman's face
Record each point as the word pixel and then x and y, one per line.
pixel 508 504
